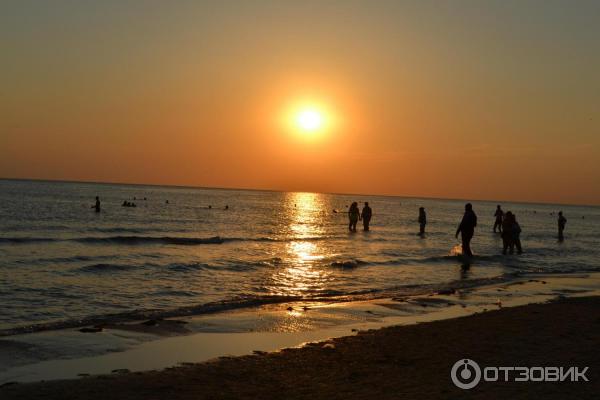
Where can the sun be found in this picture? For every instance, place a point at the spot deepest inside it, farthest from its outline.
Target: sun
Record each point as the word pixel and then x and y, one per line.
pixel 309 120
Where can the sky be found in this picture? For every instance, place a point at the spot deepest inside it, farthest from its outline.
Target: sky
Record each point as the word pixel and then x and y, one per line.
pixel 491 100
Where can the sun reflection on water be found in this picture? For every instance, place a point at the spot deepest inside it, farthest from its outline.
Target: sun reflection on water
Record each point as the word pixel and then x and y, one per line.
pixel 302 271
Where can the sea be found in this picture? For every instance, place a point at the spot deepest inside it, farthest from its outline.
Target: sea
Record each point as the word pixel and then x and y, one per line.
pixel 185 251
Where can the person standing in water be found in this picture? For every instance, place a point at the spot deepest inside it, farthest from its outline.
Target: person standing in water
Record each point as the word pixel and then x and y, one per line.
pixel 422 221
pixel 97 205
pixel 562 221
pixel 507 237
pixel 511 234
pixel 498 223
pixel 366 215
pixel 353 216
pixel 467 229
pixel 516 235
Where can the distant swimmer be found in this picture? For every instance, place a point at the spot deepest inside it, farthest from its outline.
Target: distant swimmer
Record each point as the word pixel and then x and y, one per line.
pixel 422 221
pixel 467 229
pixel 97 205
pixel 498 214
pixel 209 206
pixel 167 202
pixel 353 216
pixel 562 221
pixel 227 207
pixel 366 215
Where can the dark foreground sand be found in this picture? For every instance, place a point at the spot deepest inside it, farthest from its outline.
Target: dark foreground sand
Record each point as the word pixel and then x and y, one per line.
pixel 410 362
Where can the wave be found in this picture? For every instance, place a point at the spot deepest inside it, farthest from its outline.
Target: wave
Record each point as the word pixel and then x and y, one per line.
pixel 65 260
pixel 19 240
pixel 136 239
pixel 125 240
pixel 105 268
pixel 252 301
pixel 349 264
pixel 133 240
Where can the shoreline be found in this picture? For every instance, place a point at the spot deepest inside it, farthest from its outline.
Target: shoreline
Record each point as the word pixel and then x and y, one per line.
pixel 161 344
pixel 411 361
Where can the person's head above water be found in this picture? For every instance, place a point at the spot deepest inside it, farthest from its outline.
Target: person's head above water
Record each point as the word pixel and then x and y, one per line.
pixel 421 208
pixel 366 203
pixel 97 198
pixel 560 213
pixel 498 206
pixel 468 207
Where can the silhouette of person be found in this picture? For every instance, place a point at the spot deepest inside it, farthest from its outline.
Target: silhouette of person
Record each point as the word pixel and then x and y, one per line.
pixel 507 238
pixel 511 232
pixel 498 223
pixel 467 229
pixel 422 221
pixel 97 205
pixel 516 234
pixel 562 221
pixel 353 216
pixel 366 215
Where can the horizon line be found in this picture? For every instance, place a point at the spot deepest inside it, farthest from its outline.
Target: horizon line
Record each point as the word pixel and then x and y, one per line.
pixel 290 191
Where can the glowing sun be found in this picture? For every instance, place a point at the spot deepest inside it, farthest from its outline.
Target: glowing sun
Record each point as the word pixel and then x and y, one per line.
pixel 309 120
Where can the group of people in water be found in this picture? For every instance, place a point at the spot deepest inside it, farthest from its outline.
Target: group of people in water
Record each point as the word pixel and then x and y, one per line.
pixel 505 223
pixel 354 215
pixel 126 203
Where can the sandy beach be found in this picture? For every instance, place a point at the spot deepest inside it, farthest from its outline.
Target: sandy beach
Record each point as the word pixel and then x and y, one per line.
pixel 394 362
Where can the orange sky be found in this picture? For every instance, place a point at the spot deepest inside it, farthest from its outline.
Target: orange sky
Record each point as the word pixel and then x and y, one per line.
pixel 481 100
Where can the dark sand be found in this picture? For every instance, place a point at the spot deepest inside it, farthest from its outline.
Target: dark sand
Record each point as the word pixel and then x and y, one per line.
pixel 410 362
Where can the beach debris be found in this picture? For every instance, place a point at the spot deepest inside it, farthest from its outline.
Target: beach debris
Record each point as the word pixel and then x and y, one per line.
pixel 93 329
pixel 305 308
pixel 447 291
pixel 120 371
pixel 259 352
pixel 290 308
pixel 354 330
pixel 329 346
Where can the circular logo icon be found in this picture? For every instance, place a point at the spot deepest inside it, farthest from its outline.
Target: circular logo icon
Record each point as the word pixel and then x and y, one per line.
pixel 465 374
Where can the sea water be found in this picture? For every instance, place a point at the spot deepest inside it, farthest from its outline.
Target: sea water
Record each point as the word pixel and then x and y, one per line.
pixel 185 251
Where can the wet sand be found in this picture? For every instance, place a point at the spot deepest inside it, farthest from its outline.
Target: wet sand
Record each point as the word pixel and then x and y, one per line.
pixel 396 362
